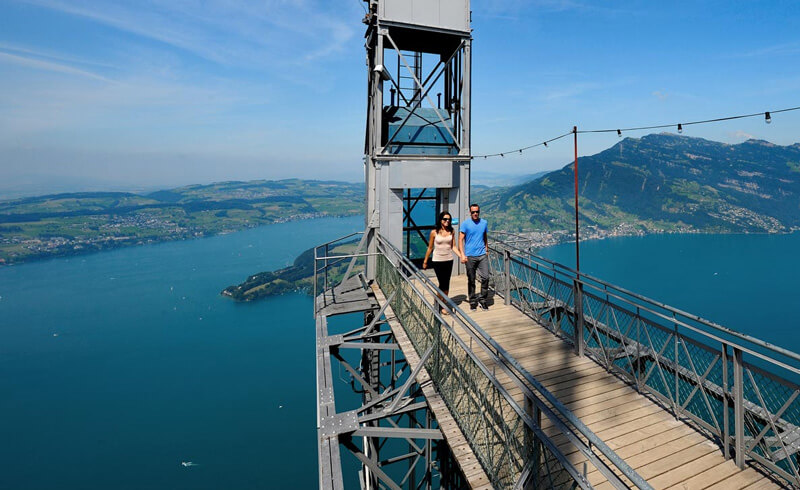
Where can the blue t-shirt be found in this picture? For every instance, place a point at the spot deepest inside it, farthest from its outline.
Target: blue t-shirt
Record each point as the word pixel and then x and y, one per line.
pixel 473 237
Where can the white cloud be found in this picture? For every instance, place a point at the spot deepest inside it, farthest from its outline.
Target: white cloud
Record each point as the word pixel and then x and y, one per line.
pixel 774 50
pixel 740 135
pixel 27 51
pixel 514 9
pixel 128 91
pixel 38 64
pixel 571 90
pixel 69 111
pixel 236 33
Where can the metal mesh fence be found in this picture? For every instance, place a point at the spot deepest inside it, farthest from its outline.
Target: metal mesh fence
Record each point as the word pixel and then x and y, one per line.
pixel 497 433
pixel 772 432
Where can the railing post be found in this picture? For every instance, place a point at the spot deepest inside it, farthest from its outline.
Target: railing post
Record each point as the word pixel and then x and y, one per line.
pixel 529 411
pixel 428 453
pixel 578 293
pixel 315 282
pixel 738 406
pixel 726 431
pixel 326 269
pixel 507 275
pixel 676 395
pixel 638 371
pixel 536 457
pixel 437 353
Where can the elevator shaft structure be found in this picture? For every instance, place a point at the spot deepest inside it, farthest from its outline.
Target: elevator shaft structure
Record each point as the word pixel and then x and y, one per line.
pixel 417 144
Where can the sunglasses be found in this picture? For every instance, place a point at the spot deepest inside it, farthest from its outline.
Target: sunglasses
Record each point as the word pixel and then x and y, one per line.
pixel 445 219
pixel 475 212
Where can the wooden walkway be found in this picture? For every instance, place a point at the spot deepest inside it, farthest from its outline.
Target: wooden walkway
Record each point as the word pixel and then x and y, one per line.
pixel 666 452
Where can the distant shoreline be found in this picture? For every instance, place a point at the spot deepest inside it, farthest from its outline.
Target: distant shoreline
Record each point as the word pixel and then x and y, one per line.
pixel 119 244
pixel 541 240
pixel 297 277
pixel 538 239
pixel 74 224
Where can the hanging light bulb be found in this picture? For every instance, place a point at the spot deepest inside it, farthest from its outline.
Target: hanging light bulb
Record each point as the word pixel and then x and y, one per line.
pixel 545 144
pixel 680 128
pixel 767 117
pixel 619 133
pixel 502 155
pixel 520 152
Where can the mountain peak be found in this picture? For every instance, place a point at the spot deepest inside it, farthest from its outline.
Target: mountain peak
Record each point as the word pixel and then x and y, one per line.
pixel 667 181
pixel 754 141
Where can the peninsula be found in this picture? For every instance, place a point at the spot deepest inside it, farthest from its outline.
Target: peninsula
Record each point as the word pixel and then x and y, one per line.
pixel 297 277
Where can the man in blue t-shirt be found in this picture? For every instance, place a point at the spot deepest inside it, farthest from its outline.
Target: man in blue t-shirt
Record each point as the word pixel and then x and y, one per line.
pixel 474 245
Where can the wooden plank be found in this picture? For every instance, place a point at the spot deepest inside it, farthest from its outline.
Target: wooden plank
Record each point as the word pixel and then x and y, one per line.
pixel 574 382
pixel 689 475
pixel 581 367
pixel 611 430
pixel 597 392
pixel 739 480
pixel 765 484
pixel 547 365
pixel 645 439
pixel 657 461
pixel 617 408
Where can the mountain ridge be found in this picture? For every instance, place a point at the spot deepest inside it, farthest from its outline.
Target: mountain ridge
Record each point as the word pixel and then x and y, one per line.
pixel 664 182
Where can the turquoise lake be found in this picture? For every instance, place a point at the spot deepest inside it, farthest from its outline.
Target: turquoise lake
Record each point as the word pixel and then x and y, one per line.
pixel 116 367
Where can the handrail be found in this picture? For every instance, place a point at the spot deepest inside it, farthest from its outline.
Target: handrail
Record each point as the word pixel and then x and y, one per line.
pixel 326 264
pixel 582 277
pixel 676 321
pixel 341 238
pixel 520 374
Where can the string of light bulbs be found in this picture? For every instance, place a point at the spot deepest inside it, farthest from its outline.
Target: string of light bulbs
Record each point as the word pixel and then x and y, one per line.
pixel 767 119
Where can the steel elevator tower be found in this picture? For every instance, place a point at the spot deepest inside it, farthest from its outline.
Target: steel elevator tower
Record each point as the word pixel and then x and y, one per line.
pixel 417 164
pixel 417 146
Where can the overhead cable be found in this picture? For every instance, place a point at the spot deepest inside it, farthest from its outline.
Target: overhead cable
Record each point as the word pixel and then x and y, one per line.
pixel 767 119
pixel 520 150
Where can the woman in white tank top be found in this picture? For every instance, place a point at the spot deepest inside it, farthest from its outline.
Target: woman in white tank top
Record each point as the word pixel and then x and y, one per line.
pixel 443 245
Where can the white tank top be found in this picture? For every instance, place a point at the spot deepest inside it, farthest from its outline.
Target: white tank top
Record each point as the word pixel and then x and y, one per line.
pixel 442 247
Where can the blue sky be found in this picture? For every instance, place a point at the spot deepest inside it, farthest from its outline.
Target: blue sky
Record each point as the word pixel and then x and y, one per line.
pixel 151 93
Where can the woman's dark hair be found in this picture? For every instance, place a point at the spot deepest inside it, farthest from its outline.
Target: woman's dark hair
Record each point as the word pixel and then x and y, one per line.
pixel 439 225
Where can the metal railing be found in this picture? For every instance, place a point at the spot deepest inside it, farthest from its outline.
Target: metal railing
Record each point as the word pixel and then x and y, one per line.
pixel 462 360
pixel 332 267
pixel 742 390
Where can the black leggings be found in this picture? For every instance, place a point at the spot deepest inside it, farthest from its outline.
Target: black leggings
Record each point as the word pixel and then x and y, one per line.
pixel 443 271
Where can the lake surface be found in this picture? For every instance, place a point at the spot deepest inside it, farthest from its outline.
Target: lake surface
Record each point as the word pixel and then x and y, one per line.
pixel 748 283
pixel 116 367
